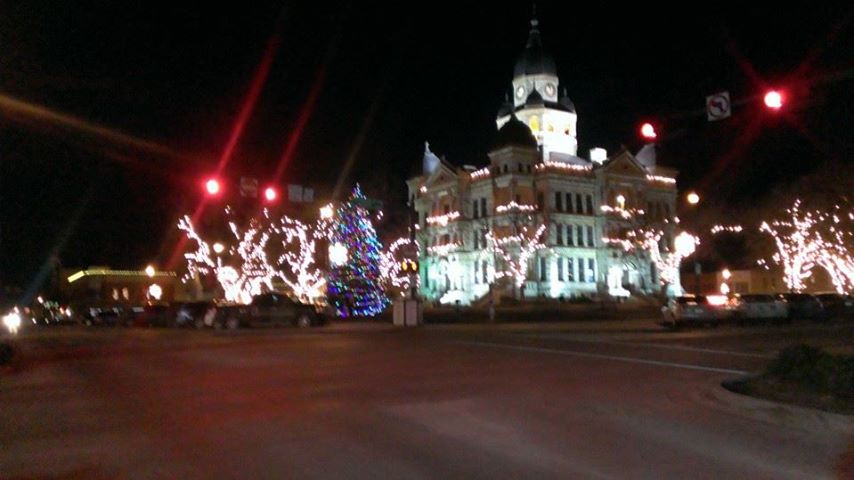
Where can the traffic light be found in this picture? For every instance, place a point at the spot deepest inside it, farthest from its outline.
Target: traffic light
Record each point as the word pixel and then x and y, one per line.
pixel 212 187
pixel 647 131
pixel 270 194
pixel 774 99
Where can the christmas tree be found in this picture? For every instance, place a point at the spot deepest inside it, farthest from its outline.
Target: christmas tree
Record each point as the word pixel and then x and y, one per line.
pixel 354 286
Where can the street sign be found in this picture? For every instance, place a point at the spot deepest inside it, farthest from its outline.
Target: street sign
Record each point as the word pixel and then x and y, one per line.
pixel 248 187
pixel 718 106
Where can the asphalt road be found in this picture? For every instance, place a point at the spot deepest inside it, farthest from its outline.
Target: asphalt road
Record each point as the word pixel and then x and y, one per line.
pixel 582 400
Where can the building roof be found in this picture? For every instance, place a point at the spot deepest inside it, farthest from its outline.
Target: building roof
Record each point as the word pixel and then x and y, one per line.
pixel 533 60
pixel 515 133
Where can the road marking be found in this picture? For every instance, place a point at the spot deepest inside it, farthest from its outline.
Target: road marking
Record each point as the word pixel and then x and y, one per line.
pixel 608 357
pixel 652 345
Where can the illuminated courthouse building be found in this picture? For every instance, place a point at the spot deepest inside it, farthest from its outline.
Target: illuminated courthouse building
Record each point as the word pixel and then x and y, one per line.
pixel 536 181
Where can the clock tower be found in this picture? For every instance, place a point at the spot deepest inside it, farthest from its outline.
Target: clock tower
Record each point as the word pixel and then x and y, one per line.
pixel 537 103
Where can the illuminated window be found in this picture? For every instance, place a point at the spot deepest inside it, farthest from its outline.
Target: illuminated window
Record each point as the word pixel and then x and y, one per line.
pixel 534 123
pixel 125 293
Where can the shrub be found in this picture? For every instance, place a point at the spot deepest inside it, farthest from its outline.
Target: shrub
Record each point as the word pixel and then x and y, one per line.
pixel 804 364
pixel 816 369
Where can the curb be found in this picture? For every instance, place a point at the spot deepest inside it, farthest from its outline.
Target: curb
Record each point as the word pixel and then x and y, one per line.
pixel 806 418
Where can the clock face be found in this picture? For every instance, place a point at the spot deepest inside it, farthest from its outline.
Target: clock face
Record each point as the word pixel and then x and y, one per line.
pixel 550 89
pixel 520 92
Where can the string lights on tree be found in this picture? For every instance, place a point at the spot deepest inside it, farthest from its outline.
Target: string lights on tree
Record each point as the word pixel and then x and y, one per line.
pixel 810 238
pixel 355 287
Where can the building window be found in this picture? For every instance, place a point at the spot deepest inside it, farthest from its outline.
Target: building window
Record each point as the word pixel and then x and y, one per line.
pixel 569 238
pixel 591 270
pixel 559 232
pixel 483 269
pixel 474 240
pixel 474 210
pixel 558 201
pixel 520 168
pixel 529 169
pixel 579 235
pixel 590 204
pixel 483 207
pixel 476 272
pixel 541 201
pixel 579 205
pixel 560 268
pixel 534 123
pixel 446 209
pixel 570 269
pixel 505 168
pixel 590 242
pixel 483 238
pixel 518 199
pixel 569 203
pixel 667 210
pixel 544 265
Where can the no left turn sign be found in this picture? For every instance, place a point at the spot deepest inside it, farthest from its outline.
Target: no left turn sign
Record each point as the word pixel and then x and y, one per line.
pixel 718 106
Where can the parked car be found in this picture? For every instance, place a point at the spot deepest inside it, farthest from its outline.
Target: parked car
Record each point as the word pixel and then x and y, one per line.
pixel 758 307
pixel 158 315
pixel 837 305
pixel 803 306
pixel 195 314
pixel 693 310
pixel 268 309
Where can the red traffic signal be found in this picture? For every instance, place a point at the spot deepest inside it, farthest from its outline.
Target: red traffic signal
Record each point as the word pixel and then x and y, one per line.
pixel 212 186
pixel 647 131
pixel 774 99
pixel 270 194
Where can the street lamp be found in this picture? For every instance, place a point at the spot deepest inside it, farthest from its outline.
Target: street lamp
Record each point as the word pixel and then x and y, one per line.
pixel 693 198
pixel 149 270
pixel 218 248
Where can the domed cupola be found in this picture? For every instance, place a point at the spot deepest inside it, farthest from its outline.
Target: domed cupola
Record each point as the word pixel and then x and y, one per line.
pixel 534 61
pixel 514 133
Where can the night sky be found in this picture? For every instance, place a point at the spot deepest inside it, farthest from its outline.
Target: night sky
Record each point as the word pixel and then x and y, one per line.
pixel 371 84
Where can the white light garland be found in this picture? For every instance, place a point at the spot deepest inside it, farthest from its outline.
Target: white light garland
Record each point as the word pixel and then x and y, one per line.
pixel 726 228
pixel 443 220
pixel 571 167
pixel 661 179
pixel 478 174
pixel 515 207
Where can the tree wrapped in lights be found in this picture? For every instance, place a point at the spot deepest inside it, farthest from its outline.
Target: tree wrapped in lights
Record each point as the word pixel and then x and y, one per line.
pixel 395 278
pixel 667 260
pixel 514 252
pixel 244 268
pixel 810 238
pixel 355 285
